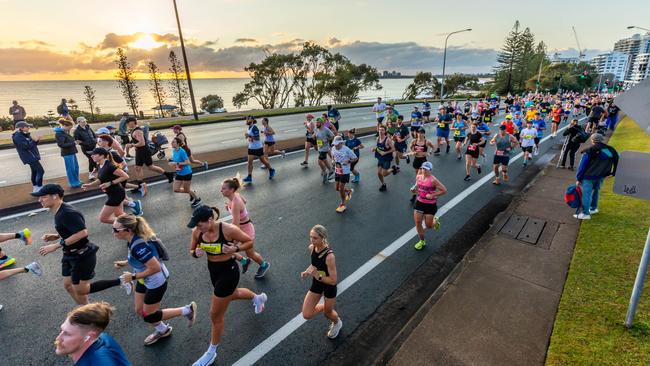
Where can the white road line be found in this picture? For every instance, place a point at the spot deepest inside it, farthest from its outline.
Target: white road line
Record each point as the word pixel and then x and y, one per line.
pixel 291 130
pixel 279 335
pixel 229 141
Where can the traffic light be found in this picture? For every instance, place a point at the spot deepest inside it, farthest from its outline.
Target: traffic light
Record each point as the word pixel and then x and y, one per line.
pixel 584 74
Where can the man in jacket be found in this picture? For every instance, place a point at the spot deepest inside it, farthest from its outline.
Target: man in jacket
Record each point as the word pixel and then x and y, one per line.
pixel 87 140
pixel 68 151
pixel 123 130
pixel 63 109
pixel 17 112
pixel 27 148
pixel 597 162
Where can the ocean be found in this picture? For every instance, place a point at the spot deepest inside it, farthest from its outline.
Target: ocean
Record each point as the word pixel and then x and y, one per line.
pixel 39 97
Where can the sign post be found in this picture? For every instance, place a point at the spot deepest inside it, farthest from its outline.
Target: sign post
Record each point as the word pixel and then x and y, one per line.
pixel 633 180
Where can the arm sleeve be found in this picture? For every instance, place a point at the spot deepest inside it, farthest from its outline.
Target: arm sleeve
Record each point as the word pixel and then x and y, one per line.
pixel 615 158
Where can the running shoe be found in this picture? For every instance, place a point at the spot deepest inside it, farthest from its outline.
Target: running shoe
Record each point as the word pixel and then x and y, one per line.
pixel 127 287
pixel 205 165
pixel 1 307
pixel 382 188
pixel 420 245
pixel 334 329
pixel 144 189
pixel 263 167
pixel 26 236
pixel 35 268
pixel 324 176
pixel 262 270
pixel 248 180
pixel 437 152
pixel 155 336
pixel 271 173
pixel 467 178
pixel 170 177
pixel 594 211
pixel 206 360
pixel 582 216
pixel 304 164
pixel 535 151
pixel 7 261
pixel 408 159
pixel 358 176
pixel 348 196
pixel 341 208
pixel 478 168
pixel 330 175
pixel 258 302
pixel 447 149
pixel 458 157
pixel 436 224
pixel 191 317
pixel 245 263
pixel 284 153
pixel 137 208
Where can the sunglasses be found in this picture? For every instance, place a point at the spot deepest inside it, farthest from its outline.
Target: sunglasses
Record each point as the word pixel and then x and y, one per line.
pixel 116 230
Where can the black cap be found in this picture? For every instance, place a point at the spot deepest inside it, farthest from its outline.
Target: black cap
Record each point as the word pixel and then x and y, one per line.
pixel 49 188
pixel 422 130
pixel 131 119
pixel 99 151
pixel 502 127
pixel 201 214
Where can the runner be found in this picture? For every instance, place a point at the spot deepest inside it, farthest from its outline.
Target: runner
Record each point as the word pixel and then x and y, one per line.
pixel 380 112
pixel 334 116
pixel 355 145
pixel 217 240
pixel 427 188
pixel 236 206
pixel 79 254
pixel 384 155
pixel 426 112
pixel 178 131
pixel 442 132
pixel 323 137
pixel 484 129
pixel 544 108
pixel 117 157
pixel 142 153
pixel 326 122
pixel 342 158
pixel 416 121
pixel 400 138
pixel 183 177
pixel 324 277
pixel 473 140
pixel 255 149
pixel 310 138
pixel 511 127
pixel 109 180
pixel 519 122
pixel 572 144
pixel 269 140
pixel 527 141
pixel 82 337
pixel 459 127
pixel 556 118
pixel 25 235
pixel 540 126
pixel 486 115
pixel 149 274
pixel 504 142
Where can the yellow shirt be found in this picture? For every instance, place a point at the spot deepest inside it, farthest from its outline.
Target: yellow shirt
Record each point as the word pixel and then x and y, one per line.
pixel 530 114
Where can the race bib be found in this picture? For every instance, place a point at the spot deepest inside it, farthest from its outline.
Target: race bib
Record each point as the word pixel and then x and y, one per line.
pixel 528 137
pixel 471 147
pixel 212 248
pixel 319 143
pixel 457 133
pixel 321 273
pixel 500 153
pixel 441 125
pixel 338 170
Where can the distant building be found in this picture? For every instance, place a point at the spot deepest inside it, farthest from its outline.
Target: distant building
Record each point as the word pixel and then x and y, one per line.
pixel 564 60
pixel 633 46
pixel 639 69
pixel 391 74
pixel 616 63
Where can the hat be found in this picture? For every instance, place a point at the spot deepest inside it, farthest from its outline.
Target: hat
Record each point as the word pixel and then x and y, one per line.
pixel 597 137
pixel 99 151
pixel 427 166
pixel 81 119
pixel 177 127
pixel 103 131
pixel 502 127
pixel 200 214
pixel 309 116
pixel 22 124
pixel 320 119
pixel 109 127
pixel 49 188
pixel 509 116
pixel 337 140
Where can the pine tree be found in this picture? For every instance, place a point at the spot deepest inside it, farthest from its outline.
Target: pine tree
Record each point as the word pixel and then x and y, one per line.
pixel 126 81
pixel 155 85
pixel 178 81
pixel 506 59
pixel 526 51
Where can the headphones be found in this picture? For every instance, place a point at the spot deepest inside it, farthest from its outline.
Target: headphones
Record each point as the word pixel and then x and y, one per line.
pixel 86 338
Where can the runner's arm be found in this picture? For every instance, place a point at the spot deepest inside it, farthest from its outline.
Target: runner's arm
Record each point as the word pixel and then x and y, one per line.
pixel 331 269
pixel 234 234
pixel 440 188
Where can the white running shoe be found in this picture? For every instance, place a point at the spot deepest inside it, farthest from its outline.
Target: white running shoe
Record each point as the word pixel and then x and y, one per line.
pixel 592 212
pixel 582 216
pixel 206 360
pixel 35 268
pixel 258 302
pixel 334 329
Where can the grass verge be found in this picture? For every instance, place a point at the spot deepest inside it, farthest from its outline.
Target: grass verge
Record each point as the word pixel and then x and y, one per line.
pixel 589 327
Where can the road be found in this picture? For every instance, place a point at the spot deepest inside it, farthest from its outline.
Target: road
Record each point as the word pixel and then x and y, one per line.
pixel 373 241
pixel 202 138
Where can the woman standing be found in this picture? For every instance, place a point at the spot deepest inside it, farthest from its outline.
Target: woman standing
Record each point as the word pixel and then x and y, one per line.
pixel 178 131
pixel 236 205
pixel 150 276
pixel 183 177
pixel 68 151
pixel 109 180
pixel 473 140
pixel 27 149
pixel 219 241
pixel 323 273
pixel 427 188
pixel 269 139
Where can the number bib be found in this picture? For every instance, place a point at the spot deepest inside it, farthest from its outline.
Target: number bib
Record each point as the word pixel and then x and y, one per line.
pixel 471 147
pixel 319 143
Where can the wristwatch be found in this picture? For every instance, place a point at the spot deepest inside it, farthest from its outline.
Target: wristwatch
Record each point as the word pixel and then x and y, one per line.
pixel 62 242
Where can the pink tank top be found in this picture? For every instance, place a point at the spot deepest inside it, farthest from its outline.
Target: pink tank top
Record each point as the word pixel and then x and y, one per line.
pixel 425 187
pixel 243 215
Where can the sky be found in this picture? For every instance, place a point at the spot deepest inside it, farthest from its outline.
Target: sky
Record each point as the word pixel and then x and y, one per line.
pixel 76 39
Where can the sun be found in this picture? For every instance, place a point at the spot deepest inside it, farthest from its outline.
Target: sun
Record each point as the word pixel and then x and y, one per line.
pixel 145 42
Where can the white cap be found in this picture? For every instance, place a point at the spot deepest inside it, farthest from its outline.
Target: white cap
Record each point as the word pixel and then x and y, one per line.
pixel 103 131
pixel 337 140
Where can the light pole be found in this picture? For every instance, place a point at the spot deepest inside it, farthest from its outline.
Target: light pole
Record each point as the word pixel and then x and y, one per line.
pixel 539 74
pixel 444 62
pixel 634 26
pixel 187 66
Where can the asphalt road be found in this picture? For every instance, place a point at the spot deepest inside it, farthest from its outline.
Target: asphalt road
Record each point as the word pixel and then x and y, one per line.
pixel 283 211
pixel 202 138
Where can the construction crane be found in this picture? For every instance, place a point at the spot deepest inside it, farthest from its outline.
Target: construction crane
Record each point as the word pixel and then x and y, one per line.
pixel 581 55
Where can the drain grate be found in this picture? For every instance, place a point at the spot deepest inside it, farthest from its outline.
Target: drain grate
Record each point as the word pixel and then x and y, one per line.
pixel 524 228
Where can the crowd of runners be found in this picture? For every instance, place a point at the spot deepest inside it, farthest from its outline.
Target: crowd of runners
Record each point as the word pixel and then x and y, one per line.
pixel 463 130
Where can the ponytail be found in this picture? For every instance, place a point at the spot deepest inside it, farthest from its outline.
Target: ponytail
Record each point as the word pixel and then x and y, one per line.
pixel 137 225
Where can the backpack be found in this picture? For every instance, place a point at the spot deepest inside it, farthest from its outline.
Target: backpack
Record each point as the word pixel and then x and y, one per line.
pixel 581 136
pixel 573 196
pixel 59 109
pixel 158 246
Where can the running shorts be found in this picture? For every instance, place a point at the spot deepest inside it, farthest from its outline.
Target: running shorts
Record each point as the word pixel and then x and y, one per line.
pixel 80 267
pixel 269 143
pixel 441 132
pixel 116 198
pixel 418 161
pixel 151 295
pixel 320 288
pixel 311 140
pixel 384 163
pixel 501 160
pixel 527 149
pixel 322 155
pixel 256 152
pixel 186 177
pixel 426 208
pixel 401 146
pixel 473 153
pixel 143 157
pixel 426 113
pixel 224 277
pixel 343 178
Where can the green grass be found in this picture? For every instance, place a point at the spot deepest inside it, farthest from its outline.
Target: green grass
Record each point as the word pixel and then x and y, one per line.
pixel 589 327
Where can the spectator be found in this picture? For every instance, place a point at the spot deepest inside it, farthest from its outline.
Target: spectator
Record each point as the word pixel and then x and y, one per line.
pixel 572 144
pixel 68 150
pixel 598 161
pixel 87 140
pixel 596 115
pixel 17 112
pixel 123 130
pixel 27 148
pixel 82 337
pixel 63 109
pixel 612 116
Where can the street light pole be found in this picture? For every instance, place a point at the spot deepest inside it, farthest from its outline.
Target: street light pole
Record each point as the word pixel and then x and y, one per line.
pixel 187 66
pixel 444 62
pixel 634 26
pixel 539 74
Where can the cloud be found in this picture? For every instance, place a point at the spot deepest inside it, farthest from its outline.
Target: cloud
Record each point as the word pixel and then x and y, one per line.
pixel 333 42
pixel 245 40
pixel 112 40
pixel 34 43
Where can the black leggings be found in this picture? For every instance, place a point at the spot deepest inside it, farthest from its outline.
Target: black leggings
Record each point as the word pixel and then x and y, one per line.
pixel 570 150
pixel 103 285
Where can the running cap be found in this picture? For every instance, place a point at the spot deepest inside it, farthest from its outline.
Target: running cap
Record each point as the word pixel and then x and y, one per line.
pixel 309 116
pixel 337 140
pixel 177 127
pixel 597 137
pixel 109 127
pixel 22 124
pixel 49 188
pixel 103 131
pixel 99 151
pixel 427 166
pixel 320 119
pixel 201 214
pixel 509 116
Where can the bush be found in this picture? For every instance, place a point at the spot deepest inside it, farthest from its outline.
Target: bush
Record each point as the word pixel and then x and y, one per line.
pixel 7 123
pixel 211 103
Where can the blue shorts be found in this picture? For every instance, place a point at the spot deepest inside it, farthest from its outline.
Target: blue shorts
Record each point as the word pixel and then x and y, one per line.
pixel 442 133
pixel 400 146
pixel 384 163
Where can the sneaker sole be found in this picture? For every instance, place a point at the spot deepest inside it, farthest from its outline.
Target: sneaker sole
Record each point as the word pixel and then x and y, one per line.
pixel 166 335
pixel 194 308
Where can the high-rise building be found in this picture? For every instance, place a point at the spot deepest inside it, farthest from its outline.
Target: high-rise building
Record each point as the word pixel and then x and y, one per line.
pixel 633 46
pixel 616 63
pixel 640 68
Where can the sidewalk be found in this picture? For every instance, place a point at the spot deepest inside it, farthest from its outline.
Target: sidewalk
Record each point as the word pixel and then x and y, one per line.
pixel 500 308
